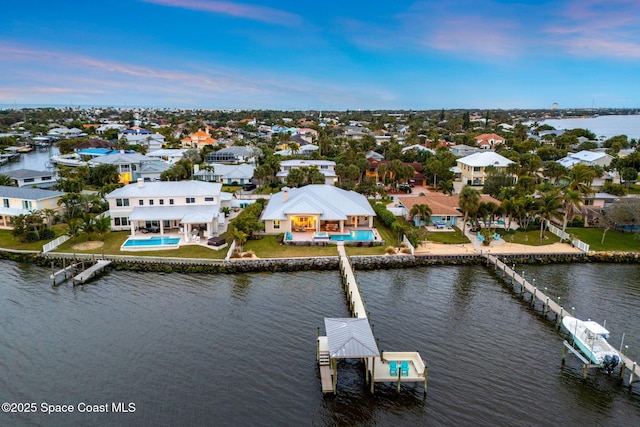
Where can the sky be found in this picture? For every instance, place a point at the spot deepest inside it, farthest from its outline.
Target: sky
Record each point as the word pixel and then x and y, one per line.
pixel 321 55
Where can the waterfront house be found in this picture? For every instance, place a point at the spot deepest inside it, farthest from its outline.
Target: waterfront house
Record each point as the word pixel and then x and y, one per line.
pixel 24 200
pixel 186 207
pixel 473 167
pixel 315 208
pixel 32 178
pixel 445 209
pixel 326 167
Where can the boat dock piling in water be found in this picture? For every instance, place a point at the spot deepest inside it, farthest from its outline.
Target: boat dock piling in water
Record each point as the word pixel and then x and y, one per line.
pixel 519 282
pixel 91 271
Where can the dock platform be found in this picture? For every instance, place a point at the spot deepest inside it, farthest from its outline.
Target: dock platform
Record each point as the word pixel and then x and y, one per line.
pixel 91 272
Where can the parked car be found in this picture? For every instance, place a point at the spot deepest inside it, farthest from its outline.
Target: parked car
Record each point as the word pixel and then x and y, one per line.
pixel 249 186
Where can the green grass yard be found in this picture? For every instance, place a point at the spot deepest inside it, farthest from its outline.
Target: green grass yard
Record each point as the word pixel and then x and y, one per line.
pixel 613 241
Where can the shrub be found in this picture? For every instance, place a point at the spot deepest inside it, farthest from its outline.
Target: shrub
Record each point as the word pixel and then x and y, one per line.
pixel 405 251
pixel 390 250
pixel 248 254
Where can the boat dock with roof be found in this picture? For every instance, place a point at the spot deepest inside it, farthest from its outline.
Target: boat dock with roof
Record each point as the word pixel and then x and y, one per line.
pixel 352 338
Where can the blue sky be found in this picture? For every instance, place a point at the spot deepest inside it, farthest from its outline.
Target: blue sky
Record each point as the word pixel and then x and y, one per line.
pixel 301 55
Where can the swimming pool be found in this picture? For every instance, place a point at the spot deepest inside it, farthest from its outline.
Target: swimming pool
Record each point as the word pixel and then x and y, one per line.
pixel 359 235
pixel 152 241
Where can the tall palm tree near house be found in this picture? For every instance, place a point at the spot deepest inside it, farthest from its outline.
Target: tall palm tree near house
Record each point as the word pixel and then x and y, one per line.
pixel 421 213
pixel 580 179
pixel 468 202
pixel 555 171
pixel 7 181
pixel 294 148
pixel 571 200
pixel 549 204
pixel 446 187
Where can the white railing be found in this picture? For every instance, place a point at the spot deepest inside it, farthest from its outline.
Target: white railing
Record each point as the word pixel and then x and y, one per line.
pixel 584 247
pixel 55 243
pixel 408 243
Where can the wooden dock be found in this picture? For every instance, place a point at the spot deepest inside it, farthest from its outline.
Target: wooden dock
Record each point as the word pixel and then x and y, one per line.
pixel 378 368
pixel 91 272
pixel 548 305
pixel 66 272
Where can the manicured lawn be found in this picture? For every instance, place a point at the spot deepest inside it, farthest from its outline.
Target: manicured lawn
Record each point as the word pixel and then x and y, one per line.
pixel 448 237
pixel 268 247
pixel 113 240
pixel 634 189
pixel 531 238
pixel 613 240
pixel 7 241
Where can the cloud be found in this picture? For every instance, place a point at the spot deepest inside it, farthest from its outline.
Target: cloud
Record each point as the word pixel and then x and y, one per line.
pixel 238 10
pixel 597 28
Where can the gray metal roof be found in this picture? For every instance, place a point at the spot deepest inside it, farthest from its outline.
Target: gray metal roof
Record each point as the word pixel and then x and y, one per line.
pixel 186 214
pixel 27 173
pixel 350 338
pixel 28 193
pixel 167 189
pixel 330 202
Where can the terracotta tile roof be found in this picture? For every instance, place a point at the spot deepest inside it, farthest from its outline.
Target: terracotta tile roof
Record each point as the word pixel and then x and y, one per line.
pixel 441 204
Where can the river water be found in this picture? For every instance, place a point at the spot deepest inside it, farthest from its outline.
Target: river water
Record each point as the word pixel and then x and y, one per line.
pixel 240 349
pixel 603 127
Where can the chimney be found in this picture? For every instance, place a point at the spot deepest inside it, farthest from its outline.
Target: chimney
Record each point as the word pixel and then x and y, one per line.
pixel 285 194
pixel 140 183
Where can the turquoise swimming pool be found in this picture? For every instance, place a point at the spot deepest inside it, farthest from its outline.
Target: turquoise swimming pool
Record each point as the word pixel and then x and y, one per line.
pixel 358 235
pixel 152 241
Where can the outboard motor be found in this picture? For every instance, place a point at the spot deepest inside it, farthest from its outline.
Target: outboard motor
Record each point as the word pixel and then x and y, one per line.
pixel 610 362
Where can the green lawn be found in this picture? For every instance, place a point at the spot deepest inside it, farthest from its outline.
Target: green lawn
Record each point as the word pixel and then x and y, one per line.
pixel 450 238
pixel 7 241
pixel 113 240
pixel 634 189
pixel 268 247
pixel 613 241
pixel 531 238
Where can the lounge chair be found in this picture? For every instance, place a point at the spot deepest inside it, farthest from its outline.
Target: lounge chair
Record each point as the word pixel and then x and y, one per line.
pixel 404 368
pixel 393 368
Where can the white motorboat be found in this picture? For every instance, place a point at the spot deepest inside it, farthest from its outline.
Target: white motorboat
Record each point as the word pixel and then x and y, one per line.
pixel 591 338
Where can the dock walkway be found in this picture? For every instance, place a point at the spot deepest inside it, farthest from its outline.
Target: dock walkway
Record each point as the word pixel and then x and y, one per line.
pixel 91 271
pixel 522 286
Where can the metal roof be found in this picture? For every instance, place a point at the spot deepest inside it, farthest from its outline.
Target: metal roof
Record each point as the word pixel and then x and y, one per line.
pixel 186 214
pixel 350 338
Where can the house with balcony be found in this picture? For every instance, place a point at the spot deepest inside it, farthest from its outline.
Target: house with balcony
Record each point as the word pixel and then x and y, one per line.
pixel 326 167
pixel 18 201
pixel 190 208
pixel 317 208
pixel 473 167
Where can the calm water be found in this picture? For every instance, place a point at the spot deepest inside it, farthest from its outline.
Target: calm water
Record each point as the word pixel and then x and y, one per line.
pixel 240 349
pixel 35 160
pixel 605 126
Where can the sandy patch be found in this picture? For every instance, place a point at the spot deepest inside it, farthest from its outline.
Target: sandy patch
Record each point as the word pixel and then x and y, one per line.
pixel 87 246
pixel 503 248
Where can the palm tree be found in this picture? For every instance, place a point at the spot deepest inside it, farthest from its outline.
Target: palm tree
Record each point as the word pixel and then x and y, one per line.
pixel 548 206
pixel 49 215
pixel 446 187
pixel 101 225
pixel 571 200
pixel 422 212
pixel 294 148
pixel 468 202
pixel 6 181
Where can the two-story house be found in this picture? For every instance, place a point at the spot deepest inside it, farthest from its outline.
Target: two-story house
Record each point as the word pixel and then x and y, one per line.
pixel 31 178
pixel 24 200
pixel 186 207
pixel 326 167
pixel 489 141
pixel 198 139
pixel 473 167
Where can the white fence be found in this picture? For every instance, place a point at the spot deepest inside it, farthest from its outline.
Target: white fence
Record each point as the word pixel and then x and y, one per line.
pixel 558 232
pixel 408 243
pixel 230 251
pixel 55 243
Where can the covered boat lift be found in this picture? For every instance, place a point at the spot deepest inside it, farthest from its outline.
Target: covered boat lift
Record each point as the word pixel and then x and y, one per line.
pixel 347 338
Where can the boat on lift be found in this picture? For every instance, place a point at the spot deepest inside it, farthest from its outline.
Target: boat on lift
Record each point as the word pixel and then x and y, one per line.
pixel 591 339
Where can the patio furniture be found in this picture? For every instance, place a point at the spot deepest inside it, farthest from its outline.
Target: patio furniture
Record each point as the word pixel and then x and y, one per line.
pixel 404 368
pixel 393 368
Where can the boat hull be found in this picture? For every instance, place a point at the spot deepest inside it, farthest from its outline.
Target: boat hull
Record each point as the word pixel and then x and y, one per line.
pixel 590 338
